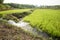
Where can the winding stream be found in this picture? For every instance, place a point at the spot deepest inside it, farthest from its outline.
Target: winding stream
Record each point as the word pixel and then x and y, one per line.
pixel 27 27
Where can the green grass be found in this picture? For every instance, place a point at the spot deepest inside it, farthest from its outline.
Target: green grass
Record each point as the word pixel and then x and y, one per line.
pixel 14 11
pixel 46 19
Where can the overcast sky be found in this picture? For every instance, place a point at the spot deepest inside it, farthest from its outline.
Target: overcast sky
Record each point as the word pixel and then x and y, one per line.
pixel 35 2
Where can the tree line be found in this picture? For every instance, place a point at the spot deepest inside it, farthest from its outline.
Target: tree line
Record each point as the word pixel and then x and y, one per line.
pixel 20 6
pixel 50 7
pixel 1 1
pixel 23 6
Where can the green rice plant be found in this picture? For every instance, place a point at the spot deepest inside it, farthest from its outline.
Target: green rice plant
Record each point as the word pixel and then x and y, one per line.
pixel 47 20
pixel 14 11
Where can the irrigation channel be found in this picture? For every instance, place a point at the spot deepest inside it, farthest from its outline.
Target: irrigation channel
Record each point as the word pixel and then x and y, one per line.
pixel 27 27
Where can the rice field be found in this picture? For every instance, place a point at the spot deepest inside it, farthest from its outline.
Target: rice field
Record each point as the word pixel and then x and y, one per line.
pixel 14 11
pixel 47 20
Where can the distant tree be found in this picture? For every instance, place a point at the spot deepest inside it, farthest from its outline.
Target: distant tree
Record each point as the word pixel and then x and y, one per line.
pixel 1 1
pixel 50 7
pixel 21 6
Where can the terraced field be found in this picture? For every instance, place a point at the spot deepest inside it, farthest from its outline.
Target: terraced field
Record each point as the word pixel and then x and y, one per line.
pixel 14 11
pixel 47 20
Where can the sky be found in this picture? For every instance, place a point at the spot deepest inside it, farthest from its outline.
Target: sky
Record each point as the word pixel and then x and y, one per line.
pixel 34 2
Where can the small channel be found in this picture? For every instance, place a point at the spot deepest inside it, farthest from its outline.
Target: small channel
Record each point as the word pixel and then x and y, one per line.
pixel 27 27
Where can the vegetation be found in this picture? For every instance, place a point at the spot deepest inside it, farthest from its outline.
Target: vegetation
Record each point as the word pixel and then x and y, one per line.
pixel 1 1
pixel 24 6
pixel 14 11
pixel 4 13
pixel 9 6
pixel 20 6
pixel 5 7
pixel 50 7
pixel 15 16
pixel 47 20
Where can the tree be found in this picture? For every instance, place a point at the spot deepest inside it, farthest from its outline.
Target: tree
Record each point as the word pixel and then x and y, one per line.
pixel 1 1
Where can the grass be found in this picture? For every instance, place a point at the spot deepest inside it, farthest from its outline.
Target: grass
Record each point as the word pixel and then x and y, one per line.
pixel 47 20
pixel 13 11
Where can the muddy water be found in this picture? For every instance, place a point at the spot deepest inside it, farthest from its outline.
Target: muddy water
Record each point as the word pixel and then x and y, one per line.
pixel 27 27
